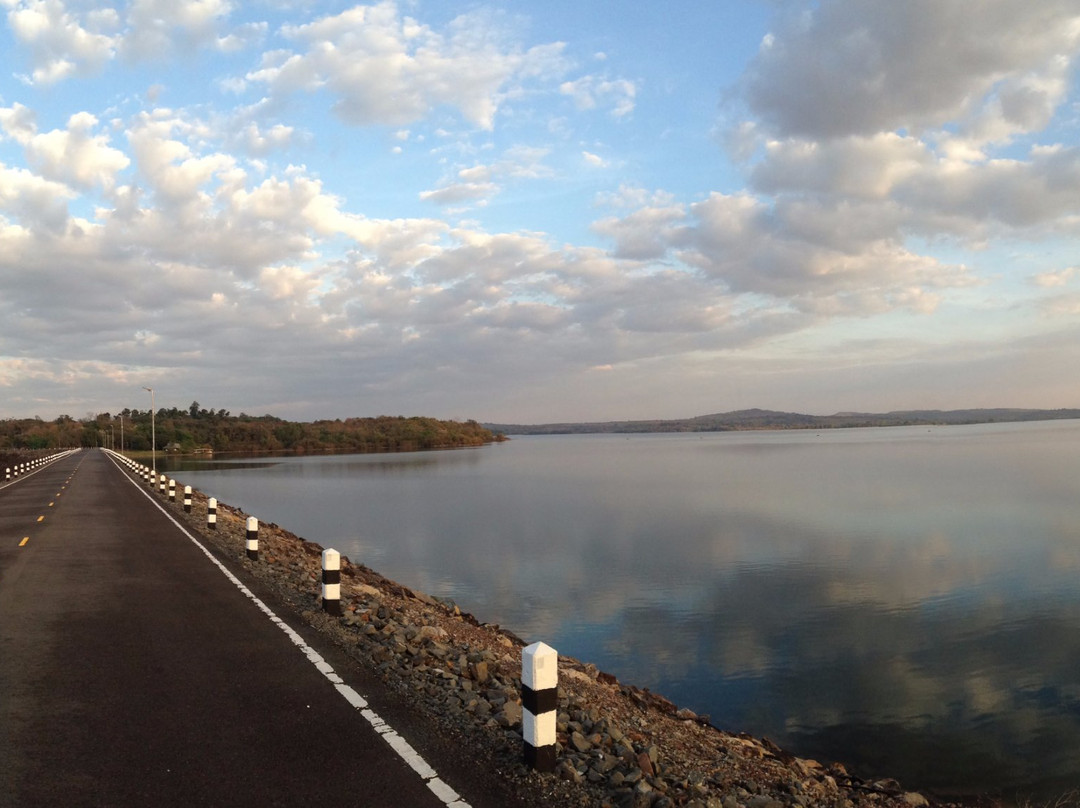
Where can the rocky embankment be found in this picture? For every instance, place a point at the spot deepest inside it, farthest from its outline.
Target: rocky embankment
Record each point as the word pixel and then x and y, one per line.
pixel 618 745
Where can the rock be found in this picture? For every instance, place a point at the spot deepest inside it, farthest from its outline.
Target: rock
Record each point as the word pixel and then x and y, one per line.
pixel 580 742
pixel 511 711
pixel 914 798
pixel 430 633
pixel 764 801
pixel 567 772
pixel 644 763
pixel 480 671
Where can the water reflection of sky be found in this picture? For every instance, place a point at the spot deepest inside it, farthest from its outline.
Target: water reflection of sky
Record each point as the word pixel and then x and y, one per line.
pixel 905 599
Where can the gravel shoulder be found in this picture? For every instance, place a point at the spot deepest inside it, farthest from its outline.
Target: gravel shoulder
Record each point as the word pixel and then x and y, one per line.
pixel 618 745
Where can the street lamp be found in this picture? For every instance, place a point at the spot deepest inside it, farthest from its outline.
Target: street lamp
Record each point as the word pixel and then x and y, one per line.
pixel 153 433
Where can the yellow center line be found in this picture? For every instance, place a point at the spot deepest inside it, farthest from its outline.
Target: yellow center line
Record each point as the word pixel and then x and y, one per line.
pixel 24 541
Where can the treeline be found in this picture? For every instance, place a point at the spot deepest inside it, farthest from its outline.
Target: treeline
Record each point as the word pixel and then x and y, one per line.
pixel 199 429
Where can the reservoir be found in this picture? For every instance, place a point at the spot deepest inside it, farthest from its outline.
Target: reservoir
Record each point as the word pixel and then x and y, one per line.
pixel 905 600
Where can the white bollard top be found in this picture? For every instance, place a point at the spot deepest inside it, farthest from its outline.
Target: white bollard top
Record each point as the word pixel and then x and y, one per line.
pixel 539 666
pixel 252 523
pixel 331 559
pixel 212 502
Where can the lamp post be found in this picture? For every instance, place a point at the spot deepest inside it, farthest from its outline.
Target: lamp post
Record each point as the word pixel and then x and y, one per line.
pixel 153 433
pixel 121 434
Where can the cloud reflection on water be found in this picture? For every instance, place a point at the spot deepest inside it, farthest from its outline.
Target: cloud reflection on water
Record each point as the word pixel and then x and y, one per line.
pixel 901 599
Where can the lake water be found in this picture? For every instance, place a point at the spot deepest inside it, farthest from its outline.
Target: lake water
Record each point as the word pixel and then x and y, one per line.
pixel 905 600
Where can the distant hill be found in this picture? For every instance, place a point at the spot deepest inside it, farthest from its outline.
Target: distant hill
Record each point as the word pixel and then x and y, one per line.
pixel 769 419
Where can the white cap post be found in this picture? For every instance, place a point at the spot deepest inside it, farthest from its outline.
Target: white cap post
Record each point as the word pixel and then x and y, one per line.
pixel 187 499
pixel 539 701
pixel 211 513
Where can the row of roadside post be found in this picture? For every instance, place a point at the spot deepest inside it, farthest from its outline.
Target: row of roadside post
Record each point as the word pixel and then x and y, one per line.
pixel 539 661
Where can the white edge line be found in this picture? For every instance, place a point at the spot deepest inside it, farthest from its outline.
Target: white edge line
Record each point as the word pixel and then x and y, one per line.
pixel 404 749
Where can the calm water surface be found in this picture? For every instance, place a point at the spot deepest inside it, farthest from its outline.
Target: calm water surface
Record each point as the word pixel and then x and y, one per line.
pixel 906 600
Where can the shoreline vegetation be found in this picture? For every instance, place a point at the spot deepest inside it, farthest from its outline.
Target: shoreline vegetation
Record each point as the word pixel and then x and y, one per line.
pixel 197 430
pixel 757 419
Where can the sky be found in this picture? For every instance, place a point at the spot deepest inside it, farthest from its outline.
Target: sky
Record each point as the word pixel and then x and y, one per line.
pixel 529 212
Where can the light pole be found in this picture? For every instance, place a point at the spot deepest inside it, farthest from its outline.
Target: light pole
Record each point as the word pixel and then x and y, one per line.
pixel 153 433
pixel 121 434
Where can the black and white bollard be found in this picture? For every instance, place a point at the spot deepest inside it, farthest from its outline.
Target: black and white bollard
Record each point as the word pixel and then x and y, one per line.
pixel 161 484
pixel 540 703
pixel 8 477
pixel 172 490
pixel 187 499
pixel 253 538
pixel 211 514
pixel 331 582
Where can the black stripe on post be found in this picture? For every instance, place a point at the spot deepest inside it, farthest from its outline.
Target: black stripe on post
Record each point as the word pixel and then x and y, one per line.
pixel 540 759
pixel 211 514
pixel 539 701
pixel 187 499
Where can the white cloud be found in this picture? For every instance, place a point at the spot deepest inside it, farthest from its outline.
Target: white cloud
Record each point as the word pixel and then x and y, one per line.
pixel 477 182
pixel 32 201
pixel 854 166
pixel 853 67
pixel 61 44
pixel 75 156
pixel 156 27
pixel 1059 278
pixel 258 141
pixel 590 92
pixel 389 69
pixel 460 192
pixel 67 39
pixel 594 160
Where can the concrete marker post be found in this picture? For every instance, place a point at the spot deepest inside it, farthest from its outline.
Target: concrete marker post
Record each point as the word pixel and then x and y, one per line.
pixel 8 473
pixel 187 499
pixel 211 514
pixel 540 703
pixel 161 486
pixel 331 582
pixel 172 490
pixel 253 538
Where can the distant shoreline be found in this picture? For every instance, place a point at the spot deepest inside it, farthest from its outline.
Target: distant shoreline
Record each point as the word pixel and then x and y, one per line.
pixel 757 419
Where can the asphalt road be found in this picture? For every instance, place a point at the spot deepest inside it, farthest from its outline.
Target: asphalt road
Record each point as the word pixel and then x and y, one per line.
pixel 133 672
